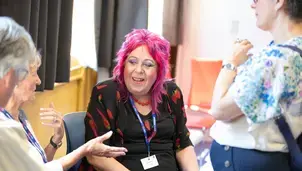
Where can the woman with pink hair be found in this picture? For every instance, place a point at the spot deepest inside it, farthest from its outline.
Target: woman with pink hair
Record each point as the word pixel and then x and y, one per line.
pixel 144 111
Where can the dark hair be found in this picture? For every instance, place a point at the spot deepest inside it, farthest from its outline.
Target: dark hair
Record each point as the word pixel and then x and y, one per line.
pixel 294 9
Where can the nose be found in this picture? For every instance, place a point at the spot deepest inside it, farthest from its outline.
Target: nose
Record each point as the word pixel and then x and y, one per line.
pixel 139 68
pixel 38 80
pixel 253 5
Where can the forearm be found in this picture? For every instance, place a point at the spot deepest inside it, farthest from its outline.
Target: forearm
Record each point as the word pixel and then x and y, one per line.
pixel 72 158
pixel 187 159
pixel 223 107
pixel 50 152
pixel 107 164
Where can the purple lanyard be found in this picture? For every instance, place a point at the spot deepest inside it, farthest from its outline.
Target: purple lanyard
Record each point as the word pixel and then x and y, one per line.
pixel 147 139
pixel 29 135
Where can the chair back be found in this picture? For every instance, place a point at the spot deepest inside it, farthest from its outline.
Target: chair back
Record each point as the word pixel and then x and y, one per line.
pixel 75 133
pixel 204 74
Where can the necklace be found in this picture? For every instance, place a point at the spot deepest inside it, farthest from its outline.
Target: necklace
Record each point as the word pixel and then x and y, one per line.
pixel 141 103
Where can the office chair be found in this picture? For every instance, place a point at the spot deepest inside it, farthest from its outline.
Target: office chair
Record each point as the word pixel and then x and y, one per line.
pixel 75 133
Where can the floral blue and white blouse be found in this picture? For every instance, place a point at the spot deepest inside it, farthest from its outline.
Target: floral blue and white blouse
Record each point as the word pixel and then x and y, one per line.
pixel 269 84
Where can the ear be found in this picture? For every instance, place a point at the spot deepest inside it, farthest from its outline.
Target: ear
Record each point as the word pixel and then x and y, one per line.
pixel 9 78
pixel 279 4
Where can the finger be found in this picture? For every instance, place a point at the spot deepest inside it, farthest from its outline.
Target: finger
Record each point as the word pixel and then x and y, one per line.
pixel 51 124
pixel 114 154
pixel 104 137
pixel 47 118
pixel 248 47
pixel 51 105
pixel 51 117
pixel 46 109
pixel 58 123
pixel 48 113
pixel 116 149
pixel 51 114
pixel 245 42
pixel 52 121
pixel 237 41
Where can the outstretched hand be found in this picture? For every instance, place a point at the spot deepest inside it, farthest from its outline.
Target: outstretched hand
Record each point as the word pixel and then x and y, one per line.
pixel 97 148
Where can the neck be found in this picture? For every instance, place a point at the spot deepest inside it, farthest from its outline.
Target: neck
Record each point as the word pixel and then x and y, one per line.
pixel 143 97
pixel 13 107
pixel 143 104
pixel 144 100
pixel 3 92
pixel 284 29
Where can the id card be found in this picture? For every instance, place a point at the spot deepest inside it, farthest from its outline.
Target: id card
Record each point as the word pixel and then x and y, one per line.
pixel 149 162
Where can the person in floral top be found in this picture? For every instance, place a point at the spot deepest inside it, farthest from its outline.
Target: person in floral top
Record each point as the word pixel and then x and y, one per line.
pixel 252 91
pixel 145 112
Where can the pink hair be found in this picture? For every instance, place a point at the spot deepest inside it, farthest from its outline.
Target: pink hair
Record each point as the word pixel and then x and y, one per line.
pixel 159 49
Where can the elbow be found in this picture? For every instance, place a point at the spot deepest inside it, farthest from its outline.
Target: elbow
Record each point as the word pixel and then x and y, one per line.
pixel 218 114
pixel 216 111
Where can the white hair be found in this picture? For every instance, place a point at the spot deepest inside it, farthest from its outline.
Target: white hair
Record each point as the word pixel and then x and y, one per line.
pixel 16 46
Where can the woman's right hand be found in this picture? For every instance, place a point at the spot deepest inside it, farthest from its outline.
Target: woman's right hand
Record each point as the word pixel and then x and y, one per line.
pixel 97 148
pixel 240 51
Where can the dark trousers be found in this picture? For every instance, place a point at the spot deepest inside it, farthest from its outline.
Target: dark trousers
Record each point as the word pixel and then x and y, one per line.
pixel 227 158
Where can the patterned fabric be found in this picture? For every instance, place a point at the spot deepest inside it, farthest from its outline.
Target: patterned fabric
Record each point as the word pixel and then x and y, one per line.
pixel 270 83
pixel 105 114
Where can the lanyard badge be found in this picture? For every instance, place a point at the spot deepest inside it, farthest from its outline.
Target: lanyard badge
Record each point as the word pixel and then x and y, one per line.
pixel 147 139
pixel 150 161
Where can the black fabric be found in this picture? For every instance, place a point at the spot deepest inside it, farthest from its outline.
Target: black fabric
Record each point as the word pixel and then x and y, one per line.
pixel 106 112
pixel 49 22
pixel 113 20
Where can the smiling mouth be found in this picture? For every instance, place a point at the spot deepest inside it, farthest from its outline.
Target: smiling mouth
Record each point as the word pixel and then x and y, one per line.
pixel 138 80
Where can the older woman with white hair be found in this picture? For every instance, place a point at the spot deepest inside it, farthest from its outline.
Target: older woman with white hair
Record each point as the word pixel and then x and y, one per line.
pixel 19 148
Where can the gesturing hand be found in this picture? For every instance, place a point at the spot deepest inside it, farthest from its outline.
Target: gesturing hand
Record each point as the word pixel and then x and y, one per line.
pixel 52 118
pixel 240 50
pixel 97 148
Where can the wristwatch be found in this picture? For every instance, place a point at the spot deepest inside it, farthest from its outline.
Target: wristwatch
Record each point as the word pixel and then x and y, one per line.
pixel 53 144
pixel 229 66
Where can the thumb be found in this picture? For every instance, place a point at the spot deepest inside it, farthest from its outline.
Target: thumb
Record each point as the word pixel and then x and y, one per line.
pixel 104 137
pixel 51 105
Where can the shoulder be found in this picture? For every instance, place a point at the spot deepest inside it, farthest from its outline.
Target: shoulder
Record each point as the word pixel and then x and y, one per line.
pixel 172 88
pixel 282 51
pixel 10 129
pixel 105 87
pixel 277 56
pixel 107 84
